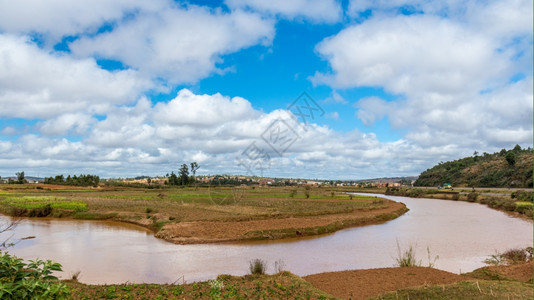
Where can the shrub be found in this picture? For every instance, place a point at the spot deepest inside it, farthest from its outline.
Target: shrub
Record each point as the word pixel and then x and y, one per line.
pixel 40 211
pixel 293 193
pixel 514 256
pixel 523 207
pixel 472 197
pixel 509 205
pixel 33 280
pixel 524 196
pixel 407 258
pixel 257 267
pixel 510 257
pixel 414 193
pixel 18 211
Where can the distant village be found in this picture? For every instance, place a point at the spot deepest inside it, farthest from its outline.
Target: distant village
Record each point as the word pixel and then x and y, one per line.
pixel 234 180
pixel 262 181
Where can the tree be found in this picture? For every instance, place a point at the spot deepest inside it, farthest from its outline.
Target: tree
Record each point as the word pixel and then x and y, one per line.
pixel 184 174
pixel 194 168
pixel 173 179
pixel 20 177
pixel 510 158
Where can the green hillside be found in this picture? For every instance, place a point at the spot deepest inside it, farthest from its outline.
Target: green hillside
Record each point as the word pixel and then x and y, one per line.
pixel 507 168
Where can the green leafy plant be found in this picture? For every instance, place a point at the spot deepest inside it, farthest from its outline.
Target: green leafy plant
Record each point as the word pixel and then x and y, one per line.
pixel 33 280
pixel 216 289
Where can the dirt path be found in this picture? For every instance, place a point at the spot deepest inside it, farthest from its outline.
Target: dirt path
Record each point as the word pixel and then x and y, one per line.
pixel 362 284
pixel 213 232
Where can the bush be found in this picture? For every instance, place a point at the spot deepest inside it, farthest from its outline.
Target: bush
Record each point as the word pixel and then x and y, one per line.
pixel 414 193
pixel 40 212
pixel 524 196
pixel 257 267
pixel 18 211
pixel 472 197
pixel 293 193
pixel 518 255
pixel 407 258
pixel 33 280
pixel 509 205
pixel 510 257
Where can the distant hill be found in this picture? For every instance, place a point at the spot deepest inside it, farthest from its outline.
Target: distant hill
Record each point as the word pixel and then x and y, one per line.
pixel 507 168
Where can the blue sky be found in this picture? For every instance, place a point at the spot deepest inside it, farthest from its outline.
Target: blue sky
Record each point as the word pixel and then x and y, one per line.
pixel 122 89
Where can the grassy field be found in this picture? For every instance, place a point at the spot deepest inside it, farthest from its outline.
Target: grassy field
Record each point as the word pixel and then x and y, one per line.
pixel 186 204
pixel 164 206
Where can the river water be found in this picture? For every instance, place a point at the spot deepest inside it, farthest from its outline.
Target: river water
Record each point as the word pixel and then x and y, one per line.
pixel 462 235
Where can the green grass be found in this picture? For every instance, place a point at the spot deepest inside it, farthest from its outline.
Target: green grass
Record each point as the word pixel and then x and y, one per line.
pixel 466 290
pixel 487 274
pixel 279 286
pixel 32 202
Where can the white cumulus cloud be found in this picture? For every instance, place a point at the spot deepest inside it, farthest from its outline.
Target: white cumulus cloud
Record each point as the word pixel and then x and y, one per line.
pixel 177 44
pixel 36 84
pixel 328 11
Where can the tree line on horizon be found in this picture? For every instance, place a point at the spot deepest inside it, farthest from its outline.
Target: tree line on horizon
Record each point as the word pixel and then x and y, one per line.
pixel 81 180
pixel 183 177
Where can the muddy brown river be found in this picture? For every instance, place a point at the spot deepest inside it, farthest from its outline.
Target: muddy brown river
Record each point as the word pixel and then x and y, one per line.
pixel 462 235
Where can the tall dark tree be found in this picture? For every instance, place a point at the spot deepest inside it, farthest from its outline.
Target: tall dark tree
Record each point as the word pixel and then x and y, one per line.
pixel 173 179
pixel 510 158
pixel 20 177
pixel 184 174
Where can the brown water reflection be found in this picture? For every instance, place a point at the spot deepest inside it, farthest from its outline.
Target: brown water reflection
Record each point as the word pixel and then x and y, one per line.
pixel 461 233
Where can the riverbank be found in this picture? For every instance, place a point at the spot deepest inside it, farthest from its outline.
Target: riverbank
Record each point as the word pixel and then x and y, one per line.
pixel 196 215
pixel 503 282
pixel 277 228
pixel 516 202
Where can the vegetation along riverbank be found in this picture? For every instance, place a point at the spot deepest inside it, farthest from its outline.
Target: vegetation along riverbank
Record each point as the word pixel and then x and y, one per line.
pixel 195 214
